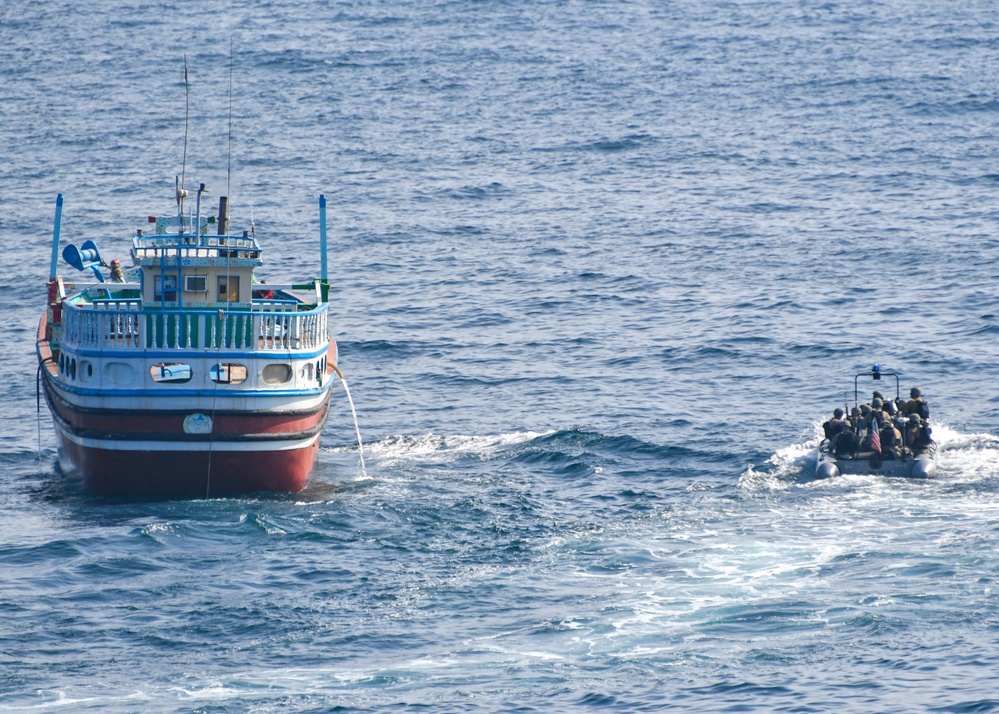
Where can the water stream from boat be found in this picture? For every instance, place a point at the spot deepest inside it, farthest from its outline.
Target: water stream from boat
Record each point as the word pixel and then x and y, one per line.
pixel 357 428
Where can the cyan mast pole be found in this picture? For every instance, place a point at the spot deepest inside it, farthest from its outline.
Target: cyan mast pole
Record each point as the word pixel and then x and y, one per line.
pixel 55 238
pixel 322 236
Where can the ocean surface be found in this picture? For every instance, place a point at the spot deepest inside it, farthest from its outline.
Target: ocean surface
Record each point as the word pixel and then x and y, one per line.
pixel 600 271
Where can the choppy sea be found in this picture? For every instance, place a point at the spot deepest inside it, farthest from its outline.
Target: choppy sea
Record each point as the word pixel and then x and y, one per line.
pixel 600 271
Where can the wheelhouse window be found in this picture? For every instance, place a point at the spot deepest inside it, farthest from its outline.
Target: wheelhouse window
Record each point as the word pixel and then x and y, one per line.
pixel 228 288
pixel 195 283
pixel 170 281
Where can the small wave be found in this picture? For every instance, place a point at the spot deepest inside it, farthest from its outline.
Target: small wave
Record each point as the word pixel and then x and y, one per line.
pixel 379 346
pixel 159 532
pixel 264 524
pixel 968 106
pixel 633 141
pixel 575 439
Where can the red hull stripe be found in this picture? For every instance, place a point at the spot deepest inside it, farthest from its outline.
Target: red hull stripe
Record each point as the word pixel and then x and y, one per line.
pixel 185 474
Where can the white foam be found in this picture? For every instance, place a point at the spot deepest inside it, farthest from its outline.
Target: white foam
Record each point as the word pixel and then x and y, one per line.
pixel 782 470
pixel 442 448
pixel 62 700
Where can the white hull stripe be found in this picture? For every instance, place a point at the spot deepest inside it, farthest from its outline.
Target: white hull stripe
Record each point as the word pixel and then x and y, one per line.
pixel 214 446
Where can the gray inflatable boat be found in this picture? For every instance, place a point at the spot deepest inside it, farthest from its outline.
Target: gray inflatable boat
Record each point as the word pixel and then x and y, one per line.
pixel 882 440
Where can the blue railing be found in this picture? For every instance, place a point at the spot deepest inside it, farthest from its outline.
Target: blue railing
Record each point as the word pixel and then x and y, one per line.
pixel 124 325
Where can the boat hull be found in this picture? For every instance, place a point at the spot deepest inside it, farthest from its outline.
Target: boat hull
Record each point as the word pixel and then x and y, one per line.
pixel 151 473
pixel 161 451
pixel 922 466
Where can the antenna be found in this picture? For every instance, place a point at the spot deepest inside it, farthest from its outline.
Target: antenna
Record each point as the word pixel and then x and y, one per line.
pixel 187 123
pixel 228 172
pixel 181 191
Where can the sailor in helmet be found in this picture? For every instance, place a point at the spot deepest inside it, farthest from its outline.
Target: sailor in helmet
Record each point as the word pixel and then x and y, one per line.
pixel 834 426
pixel 917 434
pixel 917 405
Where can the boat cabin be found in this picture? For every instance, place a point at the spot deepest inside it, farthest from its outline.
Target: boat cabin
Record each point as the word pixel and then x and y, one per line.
pixel 185 268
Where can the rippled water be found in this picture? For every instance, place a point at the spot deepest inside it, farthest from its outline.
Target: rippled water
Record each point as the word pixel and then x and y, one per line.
pixel 600 271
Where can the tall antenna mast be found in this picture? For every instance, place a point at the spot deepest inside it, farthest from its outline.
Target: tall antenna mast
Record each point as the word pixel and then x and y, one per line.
pixel 228 173
pixel 181 191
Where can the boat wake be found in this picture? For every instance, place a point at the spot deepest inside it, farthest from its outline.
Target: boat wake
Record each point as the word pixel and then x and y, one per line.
pixel 440 448
pixel 788 467
pixel 967 457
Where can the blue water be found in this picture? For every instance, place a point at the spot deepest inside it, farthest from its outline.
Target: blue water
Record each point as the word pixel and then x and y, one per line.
pixel 600 271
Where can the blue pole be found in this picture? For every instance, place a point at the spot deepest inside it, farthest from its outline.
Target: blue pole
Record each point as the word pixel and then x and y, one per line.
pixel 55 239
pixel 322 235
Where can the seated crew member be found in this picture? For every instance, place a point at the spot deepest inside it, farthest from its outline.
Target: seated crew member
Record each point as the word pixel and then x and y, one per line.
pixel 834 426
pixel 922 438
pixel 917 434
pixel 846 444
pixel 891 441
pixel 917 405
pixel 839 428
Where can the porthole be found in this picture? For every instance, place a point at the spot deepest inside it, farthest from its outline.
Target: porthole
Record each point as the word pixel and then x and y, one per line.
pixel 228 373
pixel 118 374
pixel 171 372
pixel 276 373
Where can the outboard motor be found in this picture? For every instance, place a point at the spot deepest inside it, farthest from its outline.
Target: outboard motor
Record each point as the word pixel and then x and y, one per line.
pixel 86 256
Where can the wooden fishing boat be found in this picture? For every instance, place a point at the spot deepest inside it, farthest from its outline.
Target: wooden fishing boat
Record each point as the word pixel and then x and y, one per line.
pixel 182 376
